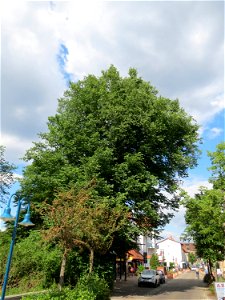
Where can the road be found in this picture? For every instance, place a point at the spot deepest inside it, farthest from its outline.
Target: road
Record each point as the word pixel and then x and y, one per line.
pixel 184 287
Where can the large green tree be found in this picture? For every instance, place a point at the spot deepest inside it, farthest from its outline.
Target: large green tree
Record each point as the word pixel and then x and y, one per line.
pixel 137 145
pixel 205 214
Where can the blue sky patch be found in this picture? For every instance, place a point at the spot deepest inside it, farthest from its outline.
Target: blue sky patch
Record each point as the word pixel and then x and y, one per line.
pixel 62 60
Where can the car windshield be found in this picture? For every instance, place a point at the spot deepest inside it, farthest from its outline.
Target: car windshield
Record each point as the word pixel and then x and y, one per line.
pixel 148 272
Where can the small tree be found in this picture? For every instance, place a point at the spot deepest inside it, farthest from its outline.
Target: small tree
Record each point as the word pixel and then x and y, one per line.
pixel 172 265
pixel 192 257
pixel 6 174
pixel 154 261
pixel 76 219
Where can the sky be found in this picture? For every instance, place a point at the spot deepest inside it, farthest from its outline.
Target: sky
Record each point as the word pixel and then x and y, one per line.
pixel 178 46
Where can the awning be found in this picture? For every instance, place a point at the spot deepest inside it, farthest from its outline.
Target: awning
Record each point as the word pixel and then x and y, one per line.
pixel 134 255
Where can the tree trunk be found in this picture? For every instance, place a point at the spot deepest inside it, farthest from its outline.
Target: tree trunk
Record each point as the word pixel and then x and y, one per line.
pixel 91 260
pixel 62 270
pixel 210 269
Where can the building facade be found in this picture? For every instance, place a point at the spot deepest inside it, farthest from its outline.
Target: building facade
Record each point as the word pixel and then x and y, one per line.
pixel 170 252
pixel 147 246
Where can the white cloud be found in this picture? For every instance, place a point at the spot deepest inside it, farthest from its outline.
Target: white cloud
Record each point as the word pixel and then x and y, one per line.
pixel 177 224
pixel 16 146
pixel 181 53
pixel 204 102
pixel 17 176
pixel 192 185
pixel 214 132
pixel 31 81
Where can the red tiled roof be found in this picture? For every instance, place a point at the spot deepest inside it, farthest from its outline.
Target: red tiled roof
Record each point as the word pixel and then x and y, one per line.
pixel 188 247
pixel 135 254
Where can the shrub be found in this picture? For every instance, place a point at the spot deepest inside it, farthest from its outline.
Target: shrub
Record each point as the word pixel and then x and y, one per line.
pixel 89 286
pixel 154 261
pixel 140 269
pixel 65 294
pixel 208 279
pixel 93 283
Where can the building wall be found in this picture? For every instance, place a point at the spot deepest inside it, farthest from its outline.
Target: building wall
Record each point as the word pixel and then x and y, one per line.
pixel 147 244
pixel 170 251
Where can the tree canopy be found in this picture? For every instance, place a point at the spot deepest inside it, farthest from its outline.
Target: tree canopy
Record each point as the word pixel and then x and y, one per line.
pixel 218 167
pixel 205 219
pixel 136 144
pixel 205 214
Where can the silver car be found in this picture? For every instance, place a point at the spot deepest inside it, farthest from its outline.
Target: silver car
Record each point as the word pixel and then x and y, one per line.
pixel 149 277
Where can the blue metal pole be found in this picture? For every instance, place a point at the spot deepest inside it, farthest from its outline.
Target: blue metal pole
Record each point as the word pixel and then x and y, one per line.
pixel 11 250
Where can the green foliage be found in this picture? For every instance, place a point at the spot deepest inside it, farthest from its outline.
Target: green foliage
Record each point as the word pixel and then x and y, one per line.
pixel 212 288
pixel 140 269
pixel 77 264
pixel 205 214
pixel 205 219
pixel 66 294
pixel 154 261
pixel 218 167
pixel 35 264
pixel 75 219
pixel 192 258
pixel 90 287
pixel 104 267
pixel 93 283
pixel 5 239
pixel 6 175
pixel 136 144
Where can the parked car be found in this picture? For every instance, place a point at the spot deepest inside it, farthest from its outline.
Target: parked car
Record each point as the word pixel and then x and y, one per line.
pixel 149 277
pixel 162 277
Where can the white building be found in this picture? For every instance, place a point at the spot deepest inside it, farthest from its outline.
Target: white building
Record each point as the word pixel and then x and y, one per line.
pixel 147 245
pixel 170 251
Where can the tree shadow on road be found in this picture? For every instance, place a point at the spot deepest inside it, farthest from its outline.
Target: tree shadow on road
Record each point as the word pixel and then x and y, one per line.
pixel 180 285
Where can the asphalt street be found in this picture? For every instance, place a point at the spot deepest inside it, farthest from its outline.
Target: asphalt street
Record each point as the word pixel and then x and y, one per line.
pixel 185 287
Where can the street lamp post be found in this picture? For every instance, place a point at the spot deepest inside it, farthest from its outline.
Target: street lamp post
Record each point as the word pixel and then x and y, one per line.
pixel 6 216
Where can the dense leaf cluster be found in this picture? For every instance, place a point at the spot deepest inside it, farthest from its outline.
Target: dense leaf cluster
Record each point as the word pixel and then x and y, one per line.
pixel 6 175
pixel 136 144
pixel 35 264
pixel 205 213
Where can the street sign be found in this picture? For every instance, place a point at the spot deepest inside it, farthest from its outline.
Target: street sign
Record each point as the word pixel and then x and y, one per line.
pixel 220 290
